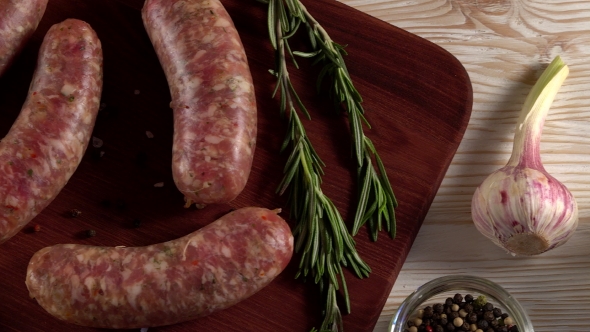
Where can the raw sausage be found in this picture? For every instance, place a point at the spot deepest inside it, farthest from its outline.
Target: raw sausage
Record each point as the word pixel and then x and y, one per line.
pixel 212 97
pixel 18 20
pixel 161 284
pixel 47 141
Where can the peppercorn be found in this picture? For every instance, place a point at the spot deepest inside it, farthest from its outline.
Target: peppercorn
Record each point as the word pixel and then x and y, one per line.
pixel 91 233
pixel 513 329
pixel 497 312
pixel 439 328
pixel 504 315
pixel 428 328
pixel 454 315
pixel 410 323
pixel 75 213
pixel 427 312
pixel 490 330
pixel 450 327
pixel 37 228
pixel 463 313
pixel 488 307
pixel 426 321
pixel 466 326
pixel 482 324
pixel 448 310
pixel 455 307
pixel 502 329
pixel 458 298
pixel 449 301
pixel 458 321
pixel 472 317
pixel 468 307
pixel 468 298
pixel 435 316
pixel 479 302
pixel 444 321
pixel 494 323
pixel 488 315
pixel 508 321
pixel 438 308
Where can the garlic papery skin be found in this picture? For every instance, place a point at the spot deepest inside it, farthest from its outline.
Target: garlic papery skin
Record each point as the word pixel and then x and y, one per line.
pixel 520 207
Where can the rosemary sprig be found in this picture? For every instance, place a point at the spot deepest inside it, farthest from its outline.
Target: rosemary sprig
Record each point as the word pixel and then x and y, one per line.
pixel 376 200
pixel 321 234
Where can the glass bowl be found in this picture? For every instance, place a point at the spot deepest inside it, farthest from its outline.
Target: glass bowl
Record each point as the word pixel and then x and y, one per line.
pixel 438 290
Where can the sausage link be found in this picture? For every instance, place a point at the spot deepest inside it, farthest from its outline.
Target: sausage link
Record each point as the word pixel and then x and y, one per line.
pixel 212 97
pixel 18 20
pixel 46 143
pixel 162 284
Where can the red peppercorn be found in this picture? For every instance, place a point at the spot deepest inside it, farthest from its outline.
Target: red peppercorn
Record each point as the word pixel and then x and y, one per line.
pixel 428 328
pixel 37 228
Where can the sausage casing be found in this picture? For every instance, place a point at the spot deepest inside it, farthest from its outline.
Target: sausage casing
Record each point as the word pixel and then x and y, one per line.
pixel 161 284
pixel 18 20
pixel 46 143
pixel 212 97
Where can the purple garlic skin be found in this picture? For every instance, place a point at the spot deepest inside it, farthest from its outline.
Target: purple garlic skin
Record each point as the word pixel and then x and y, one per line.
pixel 524 210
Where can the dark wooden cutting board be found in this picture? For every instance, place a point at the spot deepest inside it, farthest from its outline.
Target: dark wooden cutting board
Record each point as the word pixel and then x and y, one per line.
pixel 417 96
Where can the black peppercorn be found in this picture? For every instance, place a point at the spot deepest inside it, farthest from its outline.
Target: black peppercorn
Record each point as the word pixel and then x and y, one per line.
pixel 497 312
pixel 468 298
pixel 438 308
pixel 449 301
pixel 439 328
pixel 427 312
pixel 494 323
pixel 488 307
pixel 410 323
pixel 504 315
pixel 451 327
pixel 514 329
pixel 490 330
pixel 444 321
pixel 502 329
pixel 468 307
pixel 453 315
pixel 489 316
pixel 472 318
pixel 435 316
pixel 482 324
pixel 466 326
pixel 458 298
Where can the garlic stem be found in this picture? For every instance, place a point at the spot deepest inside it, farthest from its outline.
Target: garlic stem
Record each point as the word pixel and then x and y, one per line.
pixel 527 137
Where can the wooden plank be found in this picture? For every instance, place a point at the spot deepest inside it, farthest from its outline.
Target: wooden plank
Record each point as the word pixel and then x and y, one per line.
pixel 505 45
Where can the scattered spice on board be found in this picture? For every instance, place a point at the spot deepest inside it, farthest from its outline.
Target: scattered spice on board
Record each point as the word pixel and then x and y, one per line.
pixel 461 314
pixel 96 142
pixel 75 213
pixel 91 233
pixel 37 228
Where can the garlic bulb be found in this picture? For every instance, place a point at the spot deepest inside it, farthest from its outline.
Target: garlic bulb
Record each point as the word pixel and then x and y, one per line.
pixel 520 207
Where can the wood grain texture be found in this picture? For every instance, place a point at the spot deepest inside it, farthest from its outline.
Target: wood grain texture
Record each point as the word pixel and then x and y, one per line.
pixel 505 45
pixel 417 94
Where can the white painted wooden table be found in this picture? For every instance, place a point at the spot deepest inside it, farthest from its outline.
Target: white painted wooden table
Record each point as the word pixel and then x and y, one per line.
pixel 505 45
